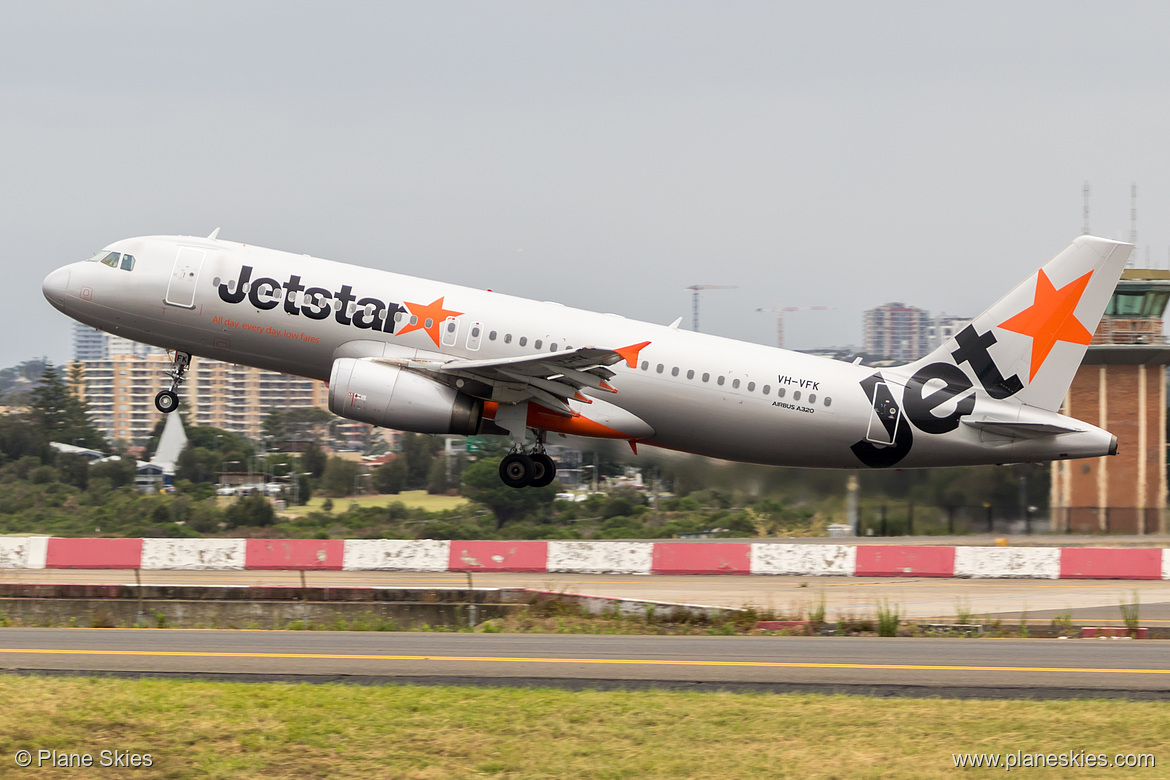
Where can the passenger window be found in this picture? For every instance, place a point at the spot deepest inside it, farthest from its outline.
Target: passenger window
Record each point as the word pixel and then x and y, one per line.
pixel 720 381
pixel 674 371
pixel 812 398
pixel 660 367
pixel 751 387
pixel 735 384
pixel 691 374
pixel 492 336
pixel 767 389
pixel 706 377
pixel 552 347
pixel 523 341
pixel 645 365
pixel 127 262
pixel 507 338
pixel 536 344
pixel 796 395
pixel 828 401
pixel 780 392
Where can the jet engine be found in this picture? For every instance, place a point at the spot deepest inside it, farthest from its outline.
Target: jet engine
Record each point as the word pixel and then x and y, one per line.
pixel 379 394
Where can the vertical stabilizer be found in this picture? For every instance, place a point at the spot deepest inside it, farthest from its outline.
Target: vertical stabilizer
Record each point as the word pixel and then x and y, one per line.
pixel 1029 344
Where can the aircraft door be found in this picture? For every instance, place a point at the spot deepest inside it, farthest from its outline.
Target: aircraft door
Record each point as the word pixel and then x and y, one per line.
pixel 450 332
pixel 883 423
pixel 473 335
pixel 184 277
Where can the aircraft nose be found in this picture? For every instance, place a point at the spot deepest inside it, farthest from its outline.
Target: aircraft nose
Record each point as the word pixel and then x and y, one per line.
pixel 55 286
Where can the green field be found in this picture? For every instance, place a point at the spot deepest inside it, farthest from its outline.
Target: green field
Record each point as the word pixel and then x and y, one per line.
pixel 412 499
pixel 222 730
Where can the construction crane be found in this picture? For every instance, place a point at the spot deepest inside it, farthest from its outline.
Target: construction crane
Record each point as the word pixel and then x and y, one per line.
pixel 695 288
pixel 780 311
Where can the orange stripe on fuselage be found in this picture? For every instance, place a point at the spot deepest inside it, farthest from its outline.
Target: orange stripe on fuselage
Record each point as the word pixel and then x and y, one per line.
pixel 576 425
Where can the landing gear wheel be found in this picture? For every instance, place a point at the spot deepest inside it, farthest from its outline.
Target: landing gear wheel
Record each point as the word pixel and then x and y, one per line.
pixel 166 401
pixel 544 470
pixel 516 470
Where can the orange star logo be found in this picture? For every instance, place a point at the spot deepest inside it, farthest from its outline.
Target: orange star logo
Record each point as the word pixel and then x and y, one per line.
pixel 428 318
pixel 1050 318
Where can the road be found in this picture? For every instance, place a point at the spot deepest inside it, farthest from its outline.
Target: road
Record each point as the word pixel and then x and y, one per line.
pixel 940 667
pixel 917 597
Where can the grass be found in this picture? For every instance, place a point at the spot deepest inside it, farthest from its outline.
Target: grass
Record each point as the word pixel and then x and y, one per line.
pixel 1131 612
pixel 222 730
pixel 1063 624
pixel 888 617
pixel 411 499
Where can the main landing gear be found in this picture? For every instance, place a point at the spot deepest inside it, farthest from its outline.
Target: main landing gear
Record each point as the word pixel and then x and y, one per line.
pixel 167 401
pixel 518 470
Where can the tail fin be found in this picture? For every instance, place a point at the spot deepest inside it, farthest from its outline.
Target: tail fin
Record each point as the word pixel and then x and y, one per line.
pixel 1029 344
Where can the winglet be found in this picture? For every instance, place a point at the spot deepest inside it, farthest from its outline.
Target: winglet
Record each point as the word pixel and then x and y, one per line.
pixel 633 445
pixel 630 353
pixel 214 234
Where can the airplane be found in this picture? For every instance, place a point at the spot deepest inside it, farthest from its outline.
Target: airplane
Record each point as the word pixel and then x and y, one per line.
pixel 419 355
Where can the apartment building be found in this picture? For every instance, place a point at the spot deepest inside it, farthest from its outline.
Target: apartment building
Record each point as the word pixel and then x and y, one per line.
pixel 120 390
pixel 896 331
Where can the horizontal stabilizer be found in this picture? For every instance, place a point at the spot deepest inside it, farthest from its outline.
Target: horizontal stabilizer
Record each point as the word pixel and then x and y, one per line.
pixel 1024 430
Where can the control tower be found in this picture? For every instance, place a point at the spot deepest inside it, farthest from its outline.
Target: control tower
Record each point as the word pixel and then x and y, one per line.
pixel 1121 386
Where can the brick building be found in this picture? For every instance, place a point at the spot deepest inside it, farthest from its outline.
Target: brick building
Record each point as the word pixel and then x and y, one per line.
pixel 1121 387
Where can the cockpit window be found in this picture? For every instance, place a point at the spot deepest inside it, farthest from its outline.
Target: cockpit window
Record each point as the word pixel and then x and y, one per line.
pixel 114 259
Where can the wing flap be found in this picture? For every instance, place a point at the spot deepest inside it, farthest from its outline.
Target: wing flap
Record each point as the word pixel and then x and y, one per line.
pixel 549 380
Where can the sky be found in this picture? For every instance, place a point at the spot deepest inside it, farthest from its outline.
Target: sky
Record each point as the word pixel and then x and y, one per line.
pixel 605 155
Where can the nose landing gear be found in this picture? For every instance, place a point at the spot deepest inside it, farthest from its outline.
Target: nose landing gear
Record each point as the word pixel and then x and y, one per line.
pixel 167 401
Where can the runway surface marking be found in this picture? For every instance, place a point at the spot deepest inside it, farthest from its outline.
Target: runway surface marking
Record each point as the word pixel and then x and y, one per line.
pixel 613 661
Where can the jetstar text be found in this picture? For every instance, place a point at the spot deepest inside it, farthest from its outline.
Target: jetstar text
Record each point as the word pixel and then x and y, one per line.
pixel 312 302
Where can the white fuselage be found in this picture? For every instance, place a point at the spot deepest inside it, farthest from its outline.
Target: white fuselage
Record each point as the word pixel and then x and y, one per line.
pixel 698 393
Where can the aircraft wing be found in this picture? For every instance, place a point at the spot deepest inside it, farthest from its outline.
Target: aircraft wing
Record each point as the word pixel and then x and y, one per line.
pixel 549 380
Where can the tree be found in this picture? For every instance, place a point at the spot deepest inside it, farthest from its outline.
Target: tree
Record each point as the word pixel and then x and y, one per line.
pixel 274 430
pixel 250 511
pixel 60 414
pixel 18 439
pixel 339 477
pixel 419 451
pixel 481 483
pixel 119 471
pixel 314 459
pixel 390 477
pixel 74 469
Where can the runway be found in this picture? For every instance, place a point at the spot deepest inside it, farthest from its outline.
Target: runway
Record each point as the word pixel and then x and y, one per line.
pixel 917 597
pixel 999 668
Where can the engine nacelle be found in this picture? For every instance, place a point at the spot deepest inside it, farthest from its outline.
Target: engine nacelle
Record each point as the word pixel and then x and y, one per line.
pixel 383 395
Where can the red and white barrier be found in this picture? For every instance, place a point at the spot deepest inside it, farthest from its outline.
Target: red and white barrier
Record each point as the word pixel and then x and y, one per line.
pixel 498 556
pixel 588 557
